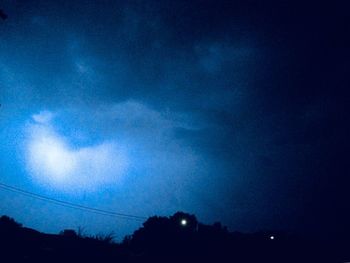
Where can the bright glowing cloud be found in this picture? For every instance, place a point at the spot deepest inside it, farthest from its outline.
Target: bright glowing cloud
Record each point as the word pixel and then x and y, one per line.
pixel 51 156
pixel 43 117
pixel 53 161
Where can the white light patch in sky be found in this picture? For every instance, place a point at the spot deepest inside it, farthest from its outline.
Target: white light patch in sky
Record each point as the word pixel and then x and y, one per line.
pixel 43 117
pixel 52 160
pixel 51 156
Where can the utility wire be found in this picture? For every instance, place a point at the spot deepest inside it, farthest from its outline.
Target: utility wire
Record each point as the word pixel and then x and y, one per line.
pixel 69 204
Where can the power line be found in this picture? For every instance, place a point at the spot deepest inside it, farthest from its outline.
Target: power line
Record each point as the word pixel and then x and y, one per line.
pixel 69 204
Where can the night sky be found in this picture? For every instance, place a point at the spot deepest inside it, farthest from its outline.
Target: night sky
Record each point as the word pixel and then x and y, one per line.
pixel 234 111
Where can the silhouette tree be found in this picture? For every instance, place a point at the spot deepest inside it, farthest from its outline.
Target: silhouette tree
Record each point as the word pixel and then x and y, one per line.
pixel 9 224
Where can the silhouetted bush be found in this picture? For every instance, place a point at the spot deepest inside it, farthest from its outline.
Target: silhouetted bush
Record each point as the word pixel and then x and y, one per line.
pixel 105 238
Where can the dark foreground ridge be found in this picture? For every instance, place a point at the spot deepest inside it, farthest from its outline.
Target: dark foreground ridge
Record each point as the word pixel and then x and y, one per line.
pixel 178 238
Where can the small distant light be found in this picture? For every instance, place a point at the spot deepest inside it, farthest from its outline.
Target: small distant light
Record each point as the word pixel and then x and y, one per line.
pixel 272 237
pixel 183 222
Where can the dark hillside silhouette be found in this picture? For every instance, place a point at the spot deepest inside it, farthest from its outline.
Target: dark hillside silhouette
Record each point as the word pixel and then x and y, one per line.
pixel 178 238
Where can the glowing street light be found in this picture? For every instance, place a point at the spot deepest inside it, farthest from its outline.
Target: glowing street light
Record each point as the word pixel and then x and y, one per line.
pixel 183 222
pixel 272 237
